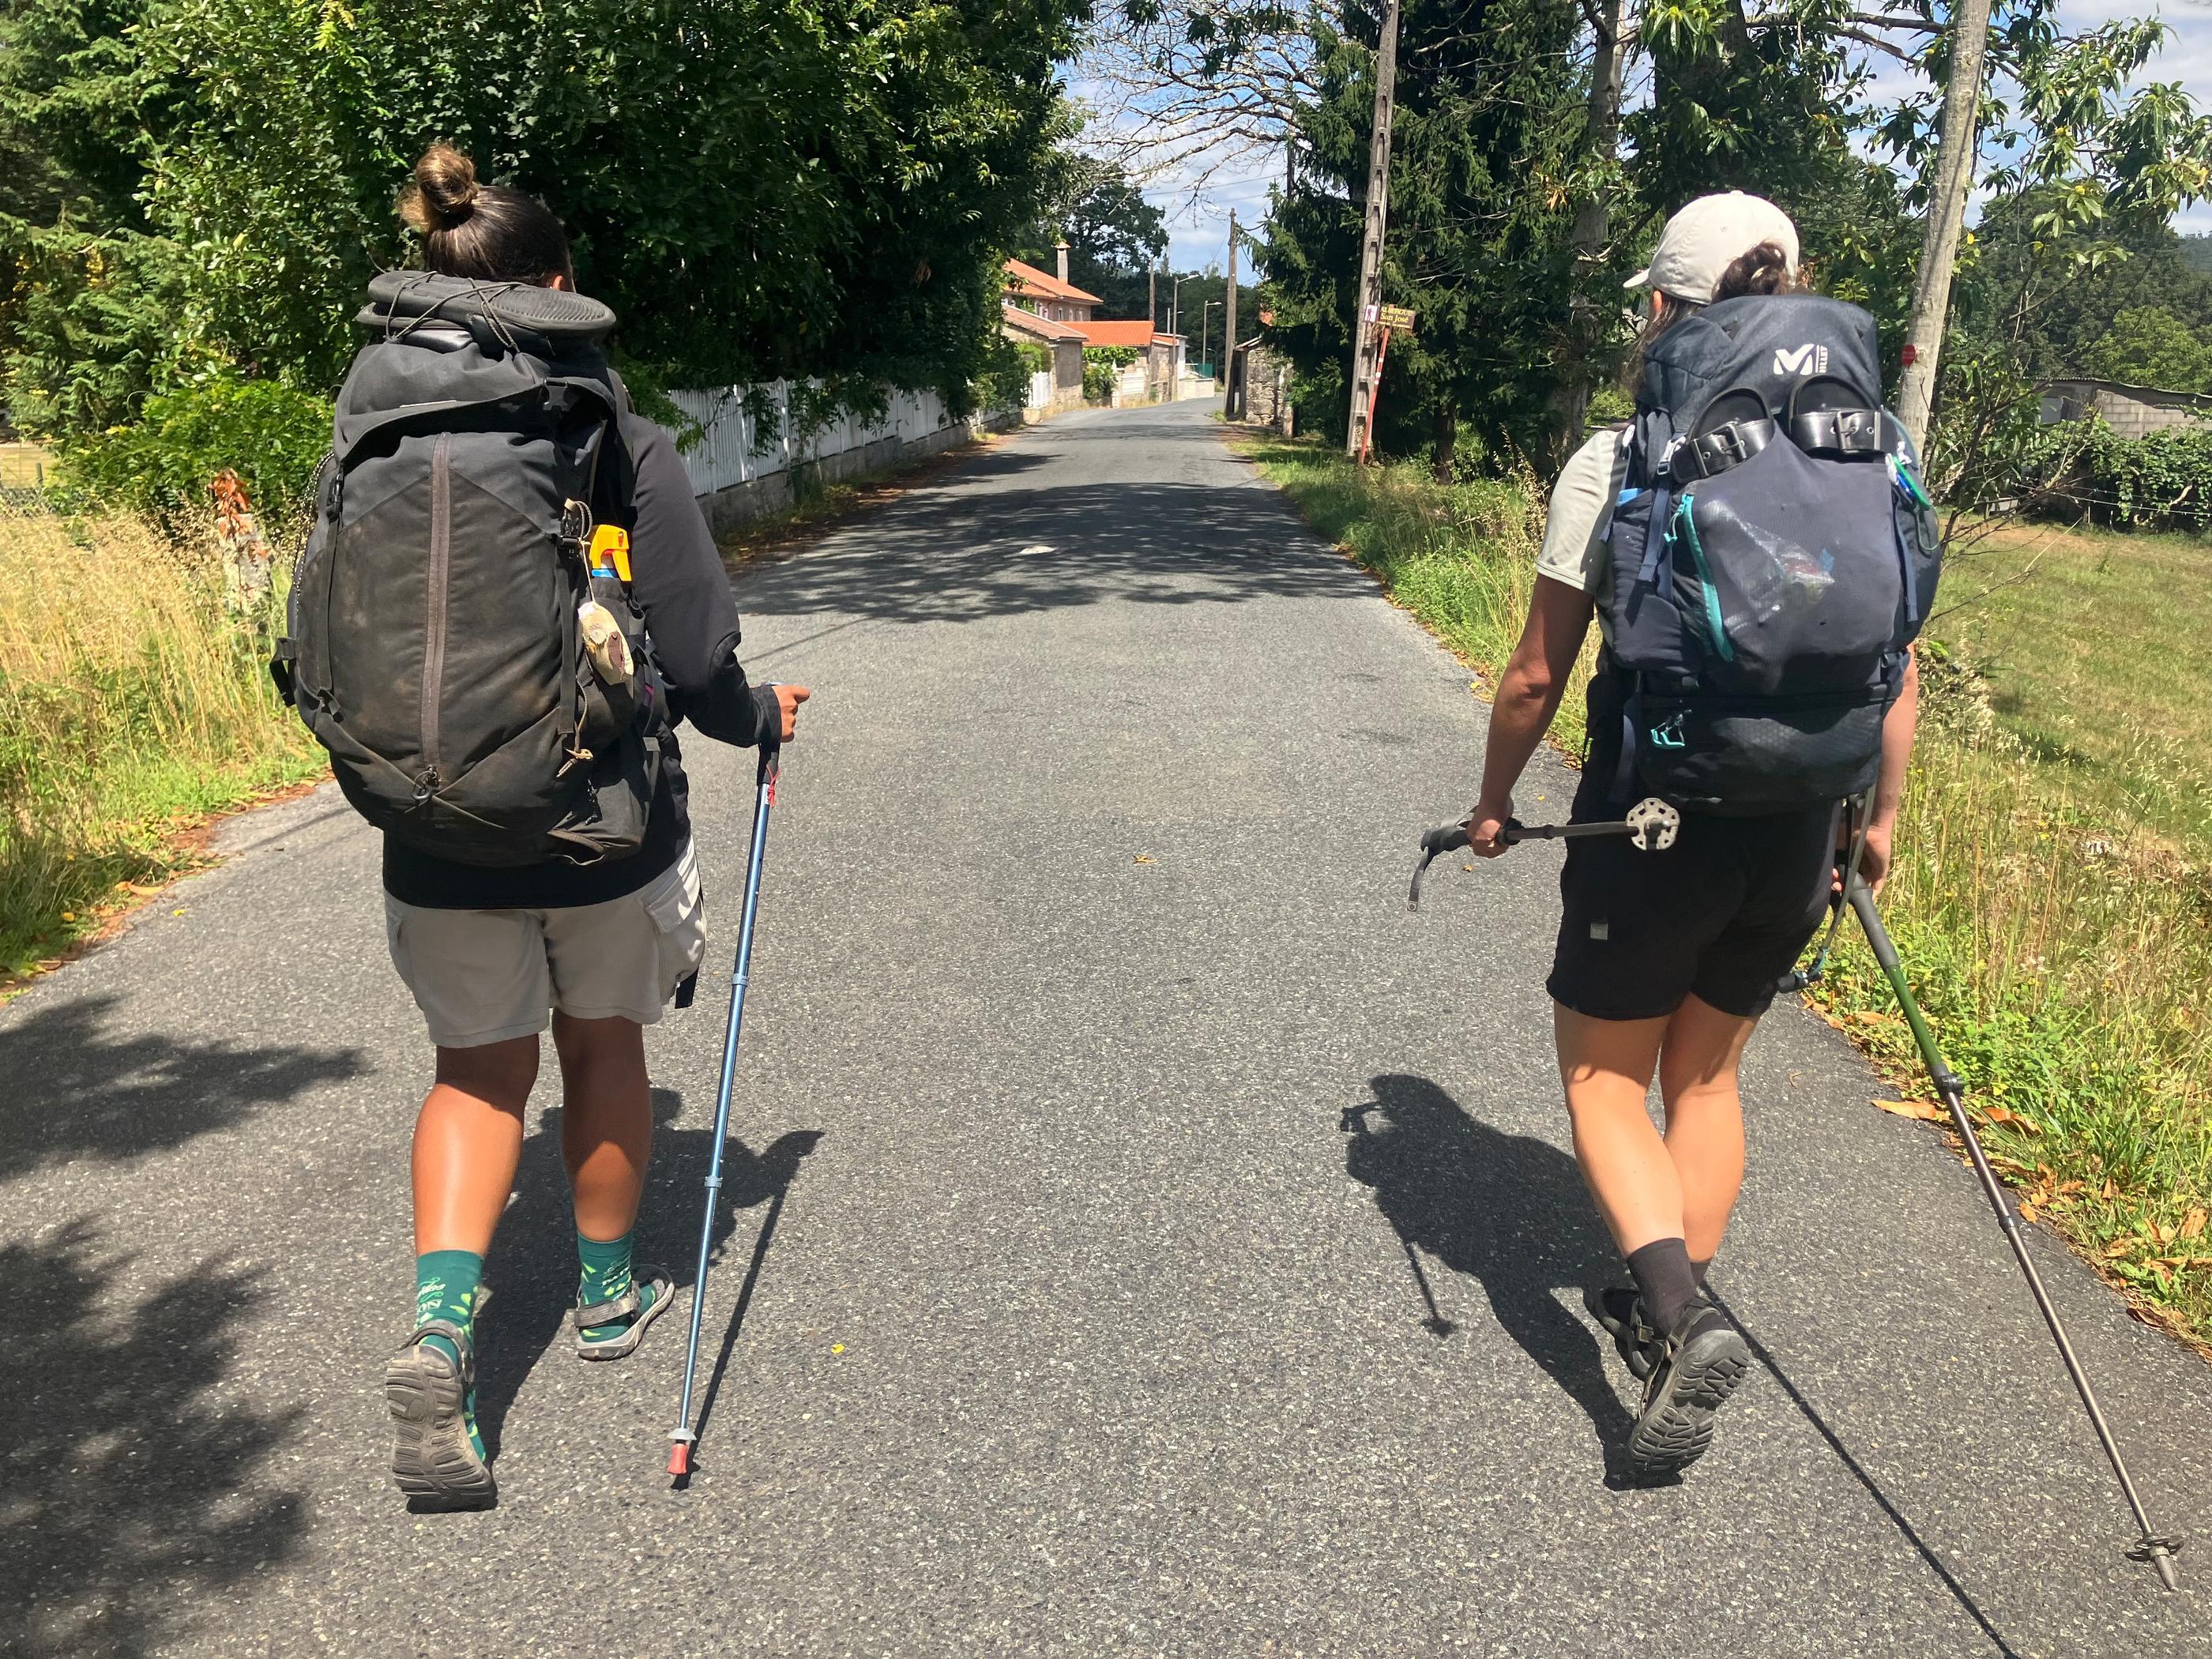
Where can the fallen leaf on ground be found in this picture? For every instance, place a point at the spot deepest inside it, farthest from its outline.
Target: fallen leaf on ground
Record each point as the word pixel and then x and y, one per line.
pixel 2028 1213
pixel 2192 1225
pixel 1927 1110
pixel 1145 857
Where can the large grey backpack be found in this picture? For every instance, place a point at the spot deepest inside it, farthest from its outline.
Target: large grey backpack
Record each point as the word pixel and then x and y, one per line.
pixel 1772 557
pixel 436 641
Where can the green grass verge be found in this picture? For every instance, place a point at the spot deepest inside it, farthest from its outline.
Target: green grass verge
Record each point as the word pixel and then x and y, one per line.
pixel 2098 653
pixel 2051 897
pixel 134 703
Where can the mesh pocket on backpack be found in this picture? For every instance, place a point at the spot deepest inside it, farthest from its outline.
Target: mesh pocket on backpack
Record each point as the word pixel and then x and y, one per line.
pixel 1744 759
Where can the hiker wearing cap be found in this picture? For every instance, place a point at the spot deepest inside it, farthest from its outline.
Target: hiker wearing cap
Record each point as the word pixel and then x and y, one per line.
pixel 1758 407
pixel 510 599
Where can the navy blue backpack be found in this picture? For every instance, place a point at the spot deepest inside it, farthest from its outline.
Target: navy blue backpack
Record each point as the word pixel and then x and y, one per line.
pixel 1772 555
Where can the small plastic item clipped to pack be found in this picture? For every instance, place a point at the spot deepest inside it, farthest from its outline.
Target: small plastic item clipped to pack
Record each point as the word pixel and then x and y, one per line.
pixel 604 641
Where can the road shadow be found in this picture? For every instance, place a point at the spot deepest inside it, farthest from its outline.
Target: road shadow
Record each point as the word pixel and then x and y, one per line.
pixel 1508 1211
pixel 128 1489
pixel 981 547
pixel 1873 1489
pixel 76 1092
pixel 532 1267
pixel 777 1167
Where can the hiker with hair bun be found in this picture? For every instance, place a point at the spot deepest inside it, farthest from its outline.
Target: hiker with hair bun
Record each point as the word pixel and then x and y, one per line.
pixel 1756 549
pixel 509 600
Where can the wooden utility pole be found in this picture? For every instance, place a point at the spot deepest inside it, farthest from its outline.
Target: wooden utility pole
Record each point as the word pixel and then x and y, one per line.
pixel 1366 352
pixel 1152 298
pixel 1586 241
pixel 1228 330
pixel 1946 214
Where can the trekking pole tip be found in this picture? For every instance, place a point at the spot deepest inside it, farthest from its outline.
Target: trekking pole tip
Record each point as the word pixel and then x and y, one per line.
pixel 2159 1552
pixel 679 1458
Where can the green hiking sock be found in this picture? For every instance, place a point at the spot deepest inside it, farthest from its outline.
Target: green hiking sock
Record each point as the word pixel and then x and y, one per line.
pixel 607 1275
pixel 446 1284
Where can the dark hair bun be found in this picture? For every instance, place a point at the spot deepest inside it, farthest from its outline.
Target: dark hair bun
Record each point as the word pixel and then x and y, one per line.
pixel 444 191
pixel 1764 269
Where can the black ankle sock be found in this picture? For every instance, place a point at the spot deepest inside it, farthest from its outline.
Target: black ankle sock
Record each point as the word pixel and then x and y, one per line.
pixel 1700 1269
pixel 1665 1277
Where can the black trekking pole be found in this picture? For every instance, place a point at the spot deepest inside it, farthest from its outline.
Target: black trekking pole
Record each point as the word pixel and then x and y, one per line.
pixel 2156 1548
pixel 1652 823
pixel 679 1452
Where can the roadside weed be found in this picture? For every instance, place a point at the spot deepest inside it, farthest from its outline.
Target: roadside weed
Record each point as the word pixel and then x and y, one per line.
pixel 133 702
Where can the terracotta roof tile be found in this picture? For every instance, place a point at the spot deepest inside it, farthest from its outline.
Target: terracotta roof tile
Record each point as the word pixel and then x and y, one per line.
pixel 1028 279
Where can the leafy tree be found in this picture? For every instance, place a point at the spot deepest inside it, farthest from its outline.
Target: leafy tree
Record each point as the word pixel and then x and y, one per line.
pixel 1114 236
pixel 1482 144
pixel 758 187
pixel 2148 345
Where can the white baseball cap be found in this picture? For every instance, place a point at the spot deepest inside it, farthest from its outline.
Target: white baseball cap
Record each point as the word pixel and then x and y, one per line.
pixel 1706 238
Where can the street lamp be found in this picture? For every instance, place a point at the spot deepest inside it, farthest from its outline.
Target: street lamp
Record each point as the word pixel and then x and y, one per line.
pixel 1175 307
pixel 1205 321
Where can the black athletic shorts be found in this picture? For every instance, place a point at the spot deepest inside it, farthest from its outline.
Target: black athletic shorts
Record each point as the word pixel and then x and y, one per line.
pixel 1722 915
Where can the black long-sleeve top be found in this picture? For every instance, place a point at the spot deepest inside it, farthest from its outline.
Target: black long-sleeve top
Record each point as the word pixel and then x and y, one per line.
pixel 679 582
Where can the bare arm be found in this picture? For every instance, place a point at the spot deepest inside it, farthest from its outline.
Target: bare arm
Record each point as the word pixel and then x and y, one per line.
pixel 1896 733
pixel 1527 696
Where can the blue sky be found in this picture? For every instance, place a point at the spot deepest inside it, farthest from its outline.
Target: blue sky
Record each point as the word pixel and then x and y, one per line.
pixel 1197 237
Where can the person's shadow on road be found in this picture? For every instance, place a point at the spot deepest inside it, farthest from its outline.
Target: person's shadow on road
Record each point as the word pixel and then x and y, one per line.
pixel 532 1266
pixel 1508 1211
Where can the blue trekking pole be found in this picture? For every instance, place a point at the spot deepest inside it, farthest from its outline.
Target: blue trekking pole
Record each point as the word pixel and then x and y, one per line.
pixel 679 1454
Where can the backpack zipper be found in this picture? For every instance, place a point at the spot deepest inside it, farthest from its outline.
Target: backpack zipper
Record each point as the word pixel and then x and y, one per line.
pixel 1686 513
pixel 436 577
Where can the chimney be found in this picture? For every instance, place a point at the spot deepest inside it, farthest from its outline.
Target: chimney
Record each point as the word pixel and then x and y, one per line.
pixel 1061 248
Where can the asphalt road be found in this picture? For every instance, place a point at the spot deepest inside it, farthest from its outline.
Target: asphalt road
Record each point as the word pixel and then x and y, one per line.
pixel 1146 1237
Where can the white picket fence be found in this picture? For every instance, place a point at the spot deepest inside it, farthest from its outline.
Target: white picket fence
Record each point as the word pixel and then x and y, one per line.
pixel 735 452
pixel 1041 389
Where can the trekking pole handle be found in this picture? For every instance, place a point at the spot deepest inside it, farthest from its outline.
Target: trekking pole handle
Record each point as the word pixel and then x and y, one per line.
pixel 1652 823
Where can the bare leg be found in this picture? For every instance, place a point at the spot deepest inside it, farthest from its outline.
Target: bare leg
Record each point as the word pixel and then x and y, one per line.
pixel 1606 1066
pixel 1697 1066
pixel 606 1119
pixel 468 1139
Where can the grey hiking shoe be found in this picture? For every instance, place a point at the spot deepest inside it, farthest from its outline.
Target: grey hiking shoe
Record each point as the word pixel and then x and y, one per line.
pixel 1698 1367
pixel 431 1399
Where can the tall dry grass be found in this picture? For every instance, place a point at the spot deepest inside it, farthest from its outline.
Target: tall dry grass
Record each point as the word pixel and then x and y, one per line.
pixel 133 700
pixel 2060 944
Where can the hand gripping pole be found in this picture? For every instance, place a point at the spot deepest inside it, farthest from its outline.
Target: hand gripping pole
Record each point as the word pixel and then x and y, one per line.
pixel 1651 825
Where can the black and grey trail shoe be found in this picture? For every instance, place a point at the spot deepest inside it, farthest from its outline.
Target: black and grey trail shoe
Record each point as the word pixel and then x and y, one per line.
pixel 435 1453
pixel 1698 1367
pixel 1619 1310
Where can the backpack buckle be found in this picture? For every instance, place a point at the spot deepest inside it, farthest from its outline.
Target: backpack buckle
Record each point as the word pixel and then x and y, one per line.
pixel 1708 454
pixel 576 526
pixel 1838 435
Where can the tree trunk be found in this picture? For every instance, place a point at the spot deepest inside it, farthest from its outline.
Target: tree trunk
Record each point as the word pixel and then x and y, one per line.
pixel 1947 212
pixel 1586 241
